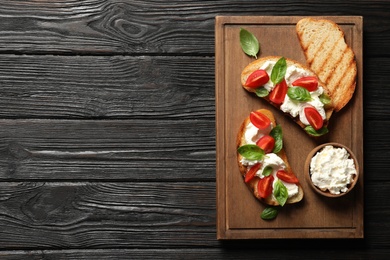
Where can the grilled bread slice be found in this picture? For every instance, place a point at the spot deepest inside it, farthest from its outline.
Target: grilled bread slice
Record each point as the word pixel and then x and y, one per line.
pixel 329 56
pixel 295 70
pixel 253 183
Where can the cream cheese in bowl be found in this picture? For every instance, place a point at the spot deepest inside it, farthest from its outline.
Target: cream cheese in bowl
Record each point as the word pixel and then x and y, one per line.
pixel 332 169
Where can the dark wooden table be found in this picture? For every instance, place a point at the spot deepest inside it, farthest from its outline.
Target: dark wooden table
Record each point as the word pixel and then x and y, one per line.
pixel 107 131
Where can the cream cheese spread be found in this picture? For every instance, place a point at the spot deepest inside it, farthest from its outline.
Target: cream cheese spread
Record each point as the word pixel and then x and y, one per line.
pixel 331 169
pixel 292 188
pixel 252 133
pixel 271 160
pixel 274 161
pixel 292 73
pixel 267 66
pixel 295 108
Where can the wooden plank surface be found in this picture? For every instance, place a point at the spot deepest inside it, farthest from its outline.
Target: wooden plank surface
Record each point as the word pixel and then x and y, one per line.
pixel 101 27
pixel 106 215
pixel 315 217
pixel 210 253
pixel 152 214
pixel 106 87
pixel 105 27
pixel 71 67
pixel 107 150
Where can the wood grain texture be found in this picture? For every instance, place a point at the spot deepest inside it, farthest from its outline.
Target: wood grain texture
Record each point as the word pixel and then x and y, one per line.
pixel 105 27
pixel 197 253
pixel 133 215
pixel 186 27
pixel 375 94
pixel 104 215
pixel 106 87
pixel 107 150
pixel 376 149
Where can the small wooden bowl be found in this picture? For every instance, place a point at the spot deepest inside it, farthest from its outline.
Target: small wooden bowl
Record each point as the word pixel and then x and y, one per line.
pixel 308 176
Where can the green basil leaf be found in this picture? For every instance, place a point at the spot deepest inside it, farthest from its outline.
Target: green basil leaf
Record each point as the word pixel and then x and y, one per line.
pixel 279 71
pixel 325 99
pixel 261 92
pixel 249 43
pixel 267 171
pixel 311 131
pixel 280 192
pixel 251 152
pixel 298 94
pixel 269 213
pixel 277 134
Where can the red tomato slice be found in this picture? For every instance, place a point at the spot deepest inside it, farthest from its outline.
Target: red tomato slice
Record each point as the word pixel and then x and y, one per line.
pixel 287 176
pixel 264 187
pixel 267 143
pixel 313 117
pixel 279 92
pixel 257 79
pixel 252 171
pixel 310 83
pixel 259 120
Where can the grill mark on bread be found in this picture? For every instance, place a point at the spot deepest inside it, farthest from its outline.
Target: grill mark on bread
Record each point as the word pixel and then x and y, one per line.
pixel 348 84
pixel 340 69
pixel 335 58
pixel 341 81
pixel 312 49
pixel 336 76
pixel 335 63
pixel 322 54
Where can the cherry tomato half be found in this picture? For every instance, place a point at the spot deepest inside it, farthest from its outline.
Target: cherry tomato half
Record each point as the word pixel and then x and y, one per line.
pixel 287 176
pixel 259 120
pixel 264 186
pixel 257 79
pixel 313 117
pixel 278 94
pixel 267 143
pixel 310 83
pixel 252 172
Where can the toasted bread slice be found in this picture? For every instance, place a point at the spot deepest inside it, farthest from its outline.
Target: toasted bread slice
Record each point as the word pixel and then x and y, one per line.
pixel 255 65
pixel 252 185
pixel 329 56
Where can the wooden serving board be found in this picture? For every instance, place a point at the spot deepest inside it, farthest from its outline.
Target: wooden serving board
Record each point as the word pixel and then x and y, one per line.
pixel 238 212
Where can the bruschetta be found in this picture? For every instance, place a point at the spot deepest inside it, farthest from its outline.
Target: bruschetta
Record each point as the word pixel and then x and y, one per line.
pixel 293 88
pixel 263 163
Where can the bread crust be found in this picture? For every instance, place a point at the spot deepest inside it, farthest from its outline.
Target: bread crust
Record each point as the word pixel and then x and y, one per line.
pixel 329 56
pixel 255 65
pixel 252 185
